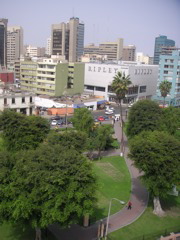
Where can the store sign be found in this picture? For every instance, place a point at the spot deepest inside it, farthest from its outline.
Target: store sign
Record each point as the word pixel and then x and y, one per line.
pixel 137 71
pixel 102 69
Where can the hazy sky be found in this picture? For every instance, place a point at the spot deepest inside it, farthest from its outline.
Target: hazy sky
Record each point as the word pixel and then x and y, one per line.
pixel 137 21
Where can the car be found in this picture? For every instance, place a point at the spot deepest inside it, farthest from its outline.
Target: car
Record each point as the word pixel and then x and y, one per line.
pixel 53 123
pixel 60 122
pixel 109 112
pixel 100 118
pixel 109 108
pixel 95 119
pixel 106 118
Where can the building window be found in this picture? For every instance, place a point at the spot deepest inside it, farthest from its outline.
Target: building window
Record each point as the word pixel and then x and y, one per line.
pixel 5 101
pixel 23 99
pixel 13 101
pixel 30 99
pixel 101 89
pixel 142 89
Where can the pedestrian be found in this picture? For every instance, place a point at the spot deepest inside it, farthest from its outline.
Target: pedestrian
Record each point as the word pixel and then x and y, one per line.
pixel 129 206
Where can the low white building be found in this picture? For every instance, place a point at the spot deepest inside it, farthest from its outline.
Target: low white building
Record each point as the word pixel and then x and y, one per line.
pixel 98 78
pixel 18 101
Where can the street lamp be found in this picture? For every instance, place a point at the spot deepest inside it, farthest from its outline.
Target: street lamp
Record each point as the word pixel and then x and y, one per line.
pixel 65 94
pixel 109 211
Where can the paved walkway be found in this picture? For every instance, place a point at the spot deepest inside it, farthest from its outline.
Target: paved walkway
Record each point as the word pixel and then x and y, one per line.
pixel 138 197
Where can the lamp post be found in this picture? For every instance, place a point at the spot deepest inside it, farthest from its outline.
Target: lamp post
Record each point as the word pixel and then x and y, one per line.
pixel 109 211
pixel 65 94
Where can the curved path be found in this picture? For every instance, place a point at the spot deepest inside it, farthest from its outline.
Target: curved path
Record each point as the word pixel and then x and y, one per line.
pixel 139 198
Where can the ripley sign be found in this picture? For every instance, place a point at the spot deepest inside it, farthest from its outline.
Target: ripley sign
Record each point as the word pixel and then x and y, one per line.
pixel 137 71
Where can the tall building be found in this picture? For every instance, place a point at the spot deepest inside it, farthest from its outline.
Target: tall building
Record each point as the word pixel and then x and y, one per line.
pixel 129 53
pixel 14 43
pixel 113 50
pixel 169 69
pixel 48 46
pixel 3 41
pixel 160 42
pixel 68 39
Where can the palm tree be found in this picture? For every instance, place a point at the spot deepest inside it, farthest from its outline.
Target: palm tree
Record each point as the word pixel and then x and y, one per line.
pixel 120 88
pixel 165 88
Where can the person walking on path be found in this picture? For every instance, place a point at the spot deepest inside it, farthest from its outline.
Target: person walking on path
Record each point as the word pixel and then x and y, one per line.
pixel 129 205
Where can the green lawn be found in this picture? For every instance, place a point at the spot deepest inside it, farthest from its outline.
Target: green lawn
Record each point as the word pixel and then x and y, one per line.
pixel 150 225
pixel 114 182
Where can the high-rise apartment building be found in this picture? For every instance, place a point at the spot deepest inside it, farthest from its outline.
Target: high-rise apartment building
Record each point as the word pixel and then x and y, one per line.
pixel 3 41
pixel 14 43
pixel 48 46
pixel 169 69
pixel 129 53
pixel 161 42
pixel 68 39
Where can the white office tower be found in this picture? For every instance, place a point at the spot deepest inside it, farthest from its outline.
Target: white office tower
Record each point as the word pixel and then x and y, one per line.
pixel 48 46
pixel 14 43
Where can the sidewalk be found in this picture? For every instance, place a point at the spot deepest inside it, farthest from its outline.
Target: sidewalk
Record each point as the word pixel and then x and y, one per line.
pixel 139 198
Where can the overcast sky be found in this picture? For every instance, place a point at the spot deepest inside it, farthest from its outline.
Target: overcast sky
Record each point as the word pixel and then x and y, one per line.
pixel 137 21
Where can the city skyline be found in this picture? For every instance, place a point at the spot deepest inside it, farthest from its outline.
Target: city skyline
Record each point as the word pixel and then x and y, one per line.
pixel 137 22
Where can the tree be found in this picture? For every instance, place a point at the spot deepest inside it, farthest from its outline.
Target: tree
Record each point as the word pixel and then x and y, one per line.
pixel 21 131
pixel 170 120
pixel 69 139
pixel 157 155
pixel 45 186
pixel 83 120
pixel 144 115
pixel 120 88
pixel 100 139
pixel 165 87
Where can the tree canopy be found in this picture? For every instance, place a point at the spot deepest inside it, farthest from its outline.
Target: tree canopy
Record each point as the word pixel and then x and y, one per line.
pixel 83 120
pixel 157 154
pixel 45 186
pixel 69 139
pixel 144 115
pixel 21 131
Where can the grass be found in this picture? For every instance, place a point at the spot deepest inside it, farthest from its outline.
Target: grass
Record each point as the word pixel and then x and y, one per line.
pixel 114 182
pixel 150 226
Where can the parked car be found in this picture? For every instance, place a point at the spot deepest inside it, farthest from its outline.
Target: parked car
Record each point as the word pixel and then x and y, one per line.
pixel 53 123
pixel 109 112
pixel 100 118
pixel 56 118
pixel 109 108
pixel 106 118
pixel 60 122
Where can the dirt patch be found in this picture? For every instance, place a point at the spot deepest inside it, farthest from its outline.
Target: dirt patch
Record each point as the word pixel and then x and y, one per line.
pixel 110 170
pixel 173 212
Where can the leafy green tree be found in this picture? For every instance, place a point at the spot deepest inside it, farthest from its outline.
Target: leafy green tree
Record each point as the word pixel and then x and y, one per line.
pixel 120 86
pixel 100 139
pixel 157 155
pixel 45 186
pixel 69 139
pixel 21 131
pixel 83 120
pixel 144 115
pixel 165 87
pixel 170 120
